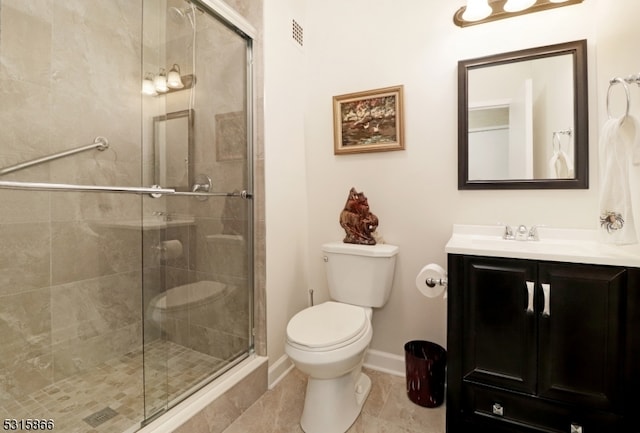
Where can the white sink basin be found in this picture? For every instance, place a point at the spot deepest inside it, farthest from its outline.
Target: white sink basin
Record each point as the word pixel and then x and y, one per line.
pixel 566 245
pixel 149 223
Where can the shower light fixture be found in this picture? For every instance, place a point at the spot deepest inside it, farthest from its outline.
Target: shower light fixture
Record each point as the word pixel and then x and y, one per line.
pixel 173 78
pixel 484 11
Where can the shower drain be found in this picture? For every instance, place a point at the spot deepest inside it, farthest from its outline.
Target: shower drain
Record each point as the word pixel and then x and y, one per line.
pixel 97 418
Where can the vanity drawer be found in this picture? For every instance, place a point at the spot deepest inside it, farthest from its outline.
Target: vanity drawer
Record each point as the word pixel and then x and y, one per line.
pixel 522 413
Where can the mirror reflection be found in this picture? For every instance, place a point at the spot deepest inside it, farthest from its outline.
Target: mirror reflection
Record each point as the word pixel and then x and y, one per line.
pixel 173 150
pixel 523 119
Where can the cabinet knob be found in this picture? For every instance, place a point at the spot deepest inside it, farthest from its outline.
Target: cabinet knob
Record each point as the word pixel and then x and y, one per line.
pixel 497 409
pixel 575 428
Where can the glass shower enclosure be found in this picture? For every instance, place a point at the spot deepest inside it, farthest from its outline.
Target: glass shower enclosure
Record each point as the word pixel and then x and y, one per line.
pixel 126 211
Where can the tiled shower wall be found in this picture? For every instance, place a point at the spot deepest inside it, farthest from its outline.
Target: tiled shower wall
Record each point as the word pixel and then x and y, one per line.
pixel 71 282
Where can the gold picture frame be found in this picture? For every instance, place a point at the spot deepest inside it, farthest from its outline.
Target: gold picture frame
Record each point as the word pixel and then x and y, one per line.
pixel 370 121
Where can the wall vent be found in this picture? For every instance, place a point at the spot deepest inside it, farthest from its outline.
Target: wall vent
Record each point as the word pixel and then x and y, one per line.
pixel 297 32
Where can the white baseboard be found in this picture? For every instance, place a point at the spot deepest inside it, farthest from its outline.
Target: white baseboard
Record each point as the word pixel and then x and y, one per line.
pixel 385 362
pixel 279 370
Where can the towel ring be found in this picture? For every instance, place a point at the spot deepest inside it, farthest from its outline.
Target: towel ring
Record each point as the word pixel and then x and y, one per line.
pixel 626 91
pixel 557 140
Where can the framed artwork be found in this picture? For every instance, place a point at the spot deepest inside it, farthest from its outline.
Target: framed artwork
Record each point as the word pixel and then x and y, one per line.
pixel 368 121
pixel 231 136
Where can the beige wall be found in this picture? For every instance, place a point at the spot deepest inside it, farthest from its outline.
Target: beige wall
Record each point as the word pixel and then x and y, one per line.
pixel 360 45
pixel 286 177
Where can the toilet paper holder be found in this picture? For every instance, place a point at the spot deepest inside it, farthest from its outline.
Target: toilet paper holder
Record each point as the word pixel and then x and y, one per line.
pixel 432 282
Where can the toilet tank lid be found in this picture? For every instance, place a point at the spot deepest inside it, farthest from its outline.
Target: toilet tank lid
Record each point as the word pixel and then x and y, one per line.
pixel 377 250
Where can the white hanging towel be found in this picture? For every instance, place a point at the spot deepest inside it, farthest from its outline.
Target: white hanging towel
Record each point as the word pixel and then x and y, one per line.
pixel 616 214
pixel 560 166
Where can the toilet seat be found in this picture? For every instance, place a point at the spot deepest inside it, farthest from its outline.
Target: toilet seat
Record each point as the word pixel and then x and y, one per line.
pixel 327 326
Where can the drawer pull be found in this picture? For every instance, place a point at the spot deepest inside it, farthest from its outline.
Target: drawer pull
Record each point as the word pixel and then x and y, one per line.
pixel 530 288
pixel 575 428
pixel 497 409
pixel 546 292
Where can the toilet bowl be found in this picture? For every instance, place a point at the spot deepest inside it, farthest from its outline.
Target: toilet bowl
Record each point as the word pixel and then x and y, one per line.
pixel 328 342
pixel 179 301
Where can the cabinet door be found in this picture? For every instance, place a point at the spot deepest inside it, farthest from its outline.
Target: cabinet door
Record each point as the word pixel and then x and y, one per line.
pixel 499 325
pixel 580 325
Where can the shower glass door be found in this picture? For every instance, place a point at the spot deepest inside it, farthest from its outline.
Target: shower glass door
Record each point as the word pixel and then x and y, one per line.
pixel 197 251
pixel 115 305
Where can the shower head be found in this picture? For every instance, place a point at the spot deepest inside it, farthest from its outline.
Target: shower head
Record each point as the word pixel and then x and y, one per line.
pixel 178 15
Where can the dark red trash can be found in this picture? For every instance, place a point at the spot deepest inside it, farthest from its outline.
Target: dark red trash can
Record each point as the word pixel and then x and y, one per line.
pixel 425 364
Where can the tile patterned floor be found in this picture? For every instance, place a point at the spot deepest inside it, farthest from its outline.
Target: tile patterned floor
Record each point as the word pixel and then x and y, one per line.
pixel 116 384
pixel 387 410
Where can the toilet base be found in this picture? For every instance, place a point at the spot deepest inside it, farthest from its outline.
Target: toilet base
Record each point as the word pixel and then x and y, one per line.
pixel 332 405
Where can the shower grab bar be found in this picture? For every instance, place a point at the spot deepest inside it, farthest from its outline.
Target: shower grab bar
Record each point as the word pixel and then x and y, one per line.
pixel 100 143
pixel 154 191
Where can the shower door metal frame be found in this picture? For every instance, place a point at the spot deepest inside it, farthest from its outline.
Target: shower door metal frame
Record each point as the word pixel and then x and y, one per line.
pixel 244 29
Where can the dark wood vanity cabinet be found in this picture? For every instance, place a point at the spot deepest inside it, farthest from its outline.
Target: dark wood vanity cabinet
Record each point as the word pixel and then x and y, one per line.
pixel 538 346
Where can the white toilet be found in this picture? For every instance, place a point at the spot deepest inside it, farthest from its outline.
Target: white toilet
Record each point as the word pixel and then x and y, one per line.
pixel 328 341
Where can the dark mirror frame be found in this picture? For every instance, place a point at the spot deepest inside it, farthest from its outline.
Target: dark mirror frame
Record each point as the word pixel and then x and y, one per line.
pixel 578 50
pixel 189 116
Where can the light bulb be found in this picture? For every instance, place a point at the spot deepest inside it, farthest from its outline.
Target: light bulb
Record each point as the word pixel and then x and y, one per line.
pixel 148 87
pixel 173 78
pixel 476 10
pixel 517 5
pixel 160 82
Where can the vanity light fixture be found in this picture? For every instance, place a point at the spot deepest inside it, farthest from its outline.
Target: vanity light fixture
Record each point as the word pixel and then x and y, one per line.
pixel 173 78
pixel 476 10
pixel 148 87
pixel 160 82
pixel 163 83
pixel 518 5
pixel 501 9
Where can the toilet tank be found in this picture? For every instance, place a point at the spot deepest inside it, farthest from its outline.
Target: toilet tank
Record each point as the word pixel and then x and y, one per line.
pixel 360 274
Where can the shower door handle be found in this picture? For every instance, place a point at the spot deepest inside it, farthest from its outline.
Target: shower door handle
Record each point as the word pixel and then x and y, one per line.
pixel 155 191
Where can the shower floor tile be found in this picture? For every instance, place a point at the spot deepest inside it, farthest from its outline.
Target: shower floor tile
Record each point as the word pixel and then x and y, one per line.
pixel 116 384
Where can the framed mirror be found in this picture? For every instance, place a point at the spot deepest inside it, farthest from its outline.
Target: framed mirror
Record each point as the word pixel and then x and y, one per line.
pixel 523 119
pixel 173 150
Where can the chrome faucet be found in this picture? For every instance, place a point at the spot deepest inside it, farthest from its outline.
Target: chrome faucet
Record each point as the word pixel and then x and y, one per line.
pixel 165 216
pixel 202 183
pixel 521 233
pixel 533 234
pixel 508 233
